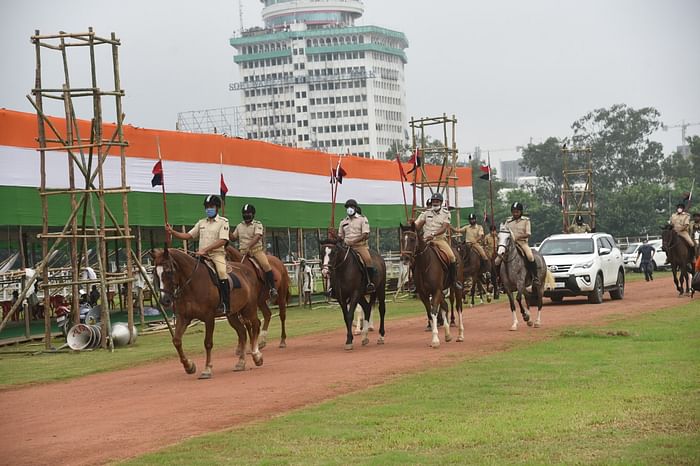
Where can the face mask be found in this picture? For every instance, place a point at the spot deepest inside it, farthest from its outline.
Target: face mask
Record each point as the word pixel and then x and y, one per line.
pixel 248 218
pixel 350 211
pixel 210 211
pixel 679 210
pixel 436 208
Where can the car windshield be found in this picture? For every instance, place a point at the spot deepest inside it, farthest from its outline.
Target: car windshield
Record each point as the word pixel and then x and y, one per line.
pixel 564 246
pixel 631 248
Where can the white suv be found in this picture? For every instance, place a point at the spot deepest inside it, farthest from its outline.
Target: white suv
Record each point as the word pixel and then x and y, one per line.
pixel 585 264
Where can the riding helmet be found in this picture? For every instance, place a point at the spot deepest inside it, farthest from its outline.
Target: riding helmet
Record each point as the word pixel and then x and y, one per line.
pixel 212 199
pixel 436 197
pixel 579 218
pixel 248 208
pixel 681 204
pixel 516 206
pixel 472 217
pixel 351 203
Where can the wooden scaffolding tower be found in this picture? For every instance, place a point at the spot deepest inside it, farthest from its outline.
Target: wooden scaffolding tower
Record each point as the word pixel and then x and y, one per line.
pixel 446 182
pixel 577 186
pixel 91 223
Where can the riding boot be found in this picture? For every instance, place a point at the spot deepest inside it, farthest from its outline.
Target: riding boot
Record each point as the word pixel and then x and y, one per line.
pixel 270 279
pixel 370 280
pixel 224 296
pixel 532 268
pixel 452 275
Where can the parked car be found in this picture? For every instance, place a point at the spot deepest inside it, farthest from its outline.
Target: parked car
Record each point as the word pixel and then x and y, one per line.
pixel 631 260
pixel 585 264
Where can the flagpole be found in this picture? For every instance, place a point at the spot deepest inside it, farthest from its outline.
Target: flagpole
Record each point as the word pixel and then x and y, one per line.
pixel 490 187
pixel 415 181
pixel 221 170
pixel 335 191
pixel 165 199
pixel 402 178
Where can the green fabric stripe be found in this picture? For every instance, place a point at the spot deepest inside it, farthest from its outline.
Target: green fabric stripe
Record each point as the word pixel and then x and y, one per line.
pixel 22 206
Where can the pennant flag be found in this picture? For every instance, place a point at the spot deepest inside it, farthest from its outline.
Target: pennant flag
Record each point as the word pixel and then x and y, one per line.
pixel 401 171
pixel 223 189
pixel 486 172
pixel 157 174
pixel 338 174
pixel 415 160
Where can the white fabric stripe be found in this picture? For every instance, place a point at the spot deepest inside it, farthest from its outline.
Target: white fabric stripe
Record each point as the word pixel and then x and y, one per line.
pixel 20 167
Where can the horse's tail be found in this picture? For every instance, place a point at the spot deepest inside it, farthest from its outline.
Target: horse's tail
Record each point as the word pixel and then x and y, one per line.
pixel 549 282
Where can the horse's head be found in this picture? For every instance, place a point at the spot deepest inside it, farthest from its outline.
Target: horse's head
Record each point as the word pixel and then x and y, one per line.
pixel 409 242
pixel 329 248
pixel 165 275
pixel 505 236
pixel 667 235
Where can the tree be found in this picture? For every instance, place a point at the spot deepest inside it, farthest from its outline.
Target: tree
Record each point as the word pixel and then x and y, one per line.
pixel 397 147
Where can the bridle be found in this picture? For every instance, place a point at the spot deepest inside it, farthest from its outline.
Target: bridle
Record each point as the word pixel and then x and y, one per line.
pixel 332 267
pixel 504 255
pixel 175 294
pixel 411 254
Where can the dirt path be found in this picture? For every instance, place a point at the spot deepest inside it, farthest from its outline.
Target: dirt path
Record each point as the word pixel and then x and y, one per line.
pixel 129 412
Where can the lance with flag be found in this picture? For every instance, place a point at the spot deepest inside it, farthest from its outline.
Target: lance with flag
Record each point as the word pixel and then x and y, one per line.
pixel 159 179
pixel 402 178
pixel 223 189
pixel 337 175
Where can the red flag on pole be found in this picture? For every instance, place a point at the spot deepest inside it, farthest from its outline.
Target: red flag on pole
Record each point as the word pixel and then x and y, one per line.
pixel 401 171
pixel 415 160
pixel 486 172
pixel 223 189
pixel 157 174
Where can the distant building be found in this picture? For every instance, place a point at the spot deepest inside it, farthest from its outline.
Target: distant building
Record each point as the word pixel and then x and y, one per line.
pixel 312 79
pixel 511 171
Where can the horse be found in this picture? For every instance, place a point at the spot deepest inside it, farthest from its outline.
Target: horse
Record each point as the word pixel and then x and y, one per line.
pixel 678 254
pixel 430 278
pixel 279 271
pixel 471 261
pixel 514 277
pixel 188 286
pixel 348 281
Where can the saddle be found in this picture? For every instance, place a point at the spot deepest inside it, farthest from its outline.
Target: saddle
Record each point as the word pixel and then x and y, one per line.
pixel 258 270
pixel 233 280
pixel 441 255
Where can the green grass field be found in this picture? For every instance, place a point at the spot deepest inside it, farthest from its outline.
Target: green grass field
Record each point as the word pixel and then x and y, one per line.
pixel 628 393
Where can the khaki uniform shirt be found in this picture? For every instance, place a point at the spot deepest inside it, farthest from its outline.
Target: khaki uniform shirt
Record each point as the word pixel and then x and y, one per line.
pixel 245 232
pixel 352 228
pixel 576 228
pixel 490 243
pixel 520 228
pixel 680 222
pixel 472 234
pixel 208 231
pixel 434 221
pixel 695 231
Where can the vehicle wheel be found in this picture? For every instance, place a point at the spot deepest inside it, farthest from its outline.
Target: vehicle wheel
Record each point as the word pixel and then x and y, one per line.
pixel 619 291
pixel 557 299
pixel 596 296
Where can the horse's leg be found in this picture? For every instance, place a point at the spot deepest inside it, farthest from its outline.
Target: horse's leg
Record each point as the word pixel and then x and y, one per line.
pixel 366 311
pixel 382 312
pixel 347 309
pixel 674 270
pixel 239 327
pixel 460 321
pixel 254 333
pixel 511 300
pixel 208 345
pixel 446 321
pixel 283 319
pixel 540 299
pixel 180 326
pixel 524 310
pixel 452 309
pixel 357 321
pixel 267 317
pixel 434 309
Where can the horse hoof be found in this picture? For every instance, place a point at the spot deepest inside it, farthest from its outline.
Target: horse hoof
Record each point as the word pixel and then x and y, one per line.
pixel 371 329
pixel 460 339
pixel 283 344
pixel 538 325
pixel 348 347
pixel 204 376
pixel 258 359
pixel 435 345
pixel 239 367
pixel 448 338
pixel 356 332
pixel 513 328
pixel 530 323
pixel 380 341
pixel 191 369
pixel 365 341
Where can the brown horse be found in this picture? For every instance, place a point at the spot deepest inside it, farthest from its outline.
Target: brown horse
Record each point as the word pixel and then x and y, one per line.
pixel 471 262
pixel 348 281
pixel 187 285
pixel 430 278
pixel 679 256
pixel 279 271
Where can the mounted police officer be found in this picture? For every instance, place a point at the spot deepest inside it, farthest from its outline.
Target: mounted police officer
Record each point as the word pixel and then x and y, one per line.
pixel 474 236
pixel 579 226
pixel 680 221
pixel 491 241
pixel 519 225
pixel 695 232
pixel 250 234
pixel 354 231
pixel 212 233
pixel 435 222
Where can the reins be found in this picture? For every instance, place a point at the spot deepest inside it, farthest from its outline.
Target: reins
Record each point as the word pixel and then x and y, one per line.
pixel 175 294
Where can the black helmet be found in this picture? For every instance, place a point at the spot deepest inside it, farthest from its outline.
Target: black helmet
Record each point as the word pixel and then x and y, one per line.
pixel 681 204
pixel 579 218
pixel 472 217
pixel 248 208
pixel 516 206
pixel 436 197
pixel 212 200
pixel 358 209
pixel 351 203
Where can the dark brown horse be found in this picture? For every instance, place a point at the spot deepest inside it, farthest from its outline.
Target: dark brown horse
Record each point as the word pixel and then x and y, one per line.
pixel 430 278
pixel 279 271
pixel 471 262
pixel 186 284
pixel 679 256
pixel 348 281
pixel 515 278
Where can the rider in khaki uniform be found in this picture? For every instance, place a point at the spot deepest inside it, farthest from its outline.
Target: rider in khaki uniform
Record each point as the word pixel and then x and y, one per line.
pixel 250 234
pixel 491 242
pixel 435 223
pixel 354 231
pixel 695 232
pixel 474 235
pixel 680 221
pixel 520 228
pixel 579 226
pixel 212 233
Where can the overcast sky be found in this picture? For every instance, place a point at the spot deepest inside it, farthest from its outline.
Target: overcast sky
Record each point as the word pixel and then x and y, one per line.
pixel 510 70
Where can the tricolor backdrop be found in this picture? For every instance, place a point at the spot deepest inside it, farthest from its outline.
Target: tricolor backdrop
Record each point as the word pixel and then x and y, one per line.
pixel 289 187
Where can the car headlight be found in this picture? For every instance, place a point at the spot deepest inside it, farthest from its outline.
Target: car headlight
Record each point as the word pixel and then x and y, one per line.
pixel 584 265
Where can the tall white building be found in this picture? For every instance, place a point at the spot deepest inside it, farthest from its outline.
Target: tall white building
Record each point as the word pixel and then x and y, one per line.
pixel 312 79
